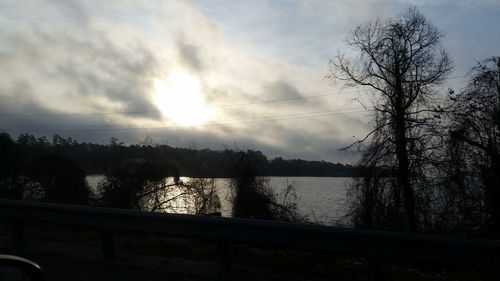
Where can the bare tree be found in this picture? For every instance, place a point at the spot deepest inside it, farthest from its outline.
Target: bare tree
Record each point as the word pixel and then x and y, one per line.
pixel 475 137
pixel 401 61
pixel 147 186
pixel 200 196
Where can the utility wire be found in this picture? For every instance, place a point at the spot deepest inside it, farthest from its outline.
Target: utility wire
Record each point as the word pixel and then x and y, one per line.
pixel 17 115
pixel 239 119
pixel 159 111
pixel 224 122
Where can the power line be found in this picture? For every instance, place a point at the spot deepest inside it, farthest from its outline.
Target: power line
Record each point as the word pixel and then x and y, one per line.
pixel 342 110
pixel 281 100
pixel 159 111
pixel 224 122
pixel 17 115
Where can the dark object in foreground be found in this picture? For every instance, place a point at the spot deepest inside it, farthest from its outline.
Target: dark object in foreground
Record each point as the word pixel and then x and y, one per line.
pixel 17 266
pixel 378 245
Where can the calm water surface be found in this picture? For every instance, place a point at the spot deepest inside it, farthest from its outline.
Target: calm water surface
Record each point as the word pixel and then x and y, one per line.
pixel 321 199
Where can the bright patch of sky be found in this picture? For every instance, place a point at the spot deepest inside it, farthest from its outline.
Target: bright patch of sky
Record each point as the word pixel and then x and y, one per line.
pixel 247 72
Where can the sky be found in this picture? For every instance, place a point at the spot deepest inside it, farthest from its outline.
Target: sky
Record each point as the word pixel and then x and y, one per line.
pixel 207 74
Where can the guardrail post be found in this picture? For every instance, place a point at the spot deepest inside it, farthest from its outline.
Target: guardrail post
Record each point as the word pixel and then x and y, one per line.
pixel 225 261
pixel 108 247
pixel 17 232
pixel 376 270
pixel 224 249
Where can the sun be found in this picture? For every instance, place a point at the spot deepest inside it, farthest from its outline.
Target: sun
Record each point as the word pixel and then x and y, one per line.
pixel 180 99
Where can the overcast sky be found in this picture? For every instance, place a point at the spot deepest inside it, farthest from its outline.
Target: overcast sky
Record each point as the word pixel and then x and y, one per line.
pixel 206 74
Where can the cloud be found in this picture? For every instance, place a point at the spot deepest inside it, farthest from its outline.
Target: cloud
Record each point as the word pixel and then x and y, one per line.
pixel 72 10
pixel 77 74
pixel 282 90
pixel 190 55
pixel 70 57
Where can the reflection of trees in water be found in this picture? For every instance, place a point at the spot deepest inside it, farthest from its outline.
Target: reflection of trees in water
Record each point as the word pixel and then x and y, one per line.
pixel 312 195
pixel 184 195
pixel 155 187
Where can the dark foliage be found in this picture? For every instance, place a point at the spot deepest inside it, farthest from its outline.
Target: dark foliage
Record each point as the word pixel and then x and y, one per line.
pixel 58 179
pixel 473 167
pixel 101 159
pixel 148 186
pixel 126 186
pixel 252 194
pixel 11 170
pixel 296 167
pixel 29 171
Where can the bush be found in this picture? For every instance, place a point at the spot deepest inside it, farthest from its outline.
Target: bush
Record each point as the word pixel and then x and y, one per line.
pixel 57 179
pixel 253 196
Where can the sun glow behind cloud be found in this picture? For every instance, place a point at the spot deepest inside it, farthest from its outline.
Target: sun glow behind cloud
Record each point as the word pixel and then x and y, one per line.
pixel 180 99
pixel 152 68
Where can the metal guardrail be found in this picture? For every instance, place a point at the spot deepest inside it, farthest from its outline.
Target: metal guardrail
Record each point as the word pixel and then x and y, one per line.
pixel 475 253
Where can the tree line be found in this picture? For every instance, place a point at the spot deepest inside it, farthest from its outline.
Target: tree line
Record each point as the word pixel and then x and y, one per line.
pixel 98 158
pixel 143 177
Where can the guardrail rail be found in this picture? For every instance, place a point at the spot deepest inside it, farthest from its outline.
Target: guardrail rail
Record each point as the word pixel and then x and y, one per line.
pixel 475 253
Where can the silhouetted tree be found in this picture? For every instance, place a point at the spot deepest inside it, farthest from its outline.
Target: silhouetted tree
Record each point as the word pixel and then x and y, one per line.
pixel 11 179
pixel 252 194
pixel 474 149
pixel 57 179
pixel 135 184
pixel 200 196
pixel 401 61
pixel 100 158
pixel 148 186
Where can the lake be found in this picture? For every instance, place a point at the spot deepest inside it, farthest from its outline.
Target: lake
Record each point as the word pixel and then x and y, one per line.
pixel 320 199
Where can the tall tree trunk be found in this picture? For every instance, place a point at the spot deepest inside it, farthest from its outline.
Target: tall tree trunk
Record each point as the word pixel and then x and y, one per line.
pixel 492 184
pixel 403 173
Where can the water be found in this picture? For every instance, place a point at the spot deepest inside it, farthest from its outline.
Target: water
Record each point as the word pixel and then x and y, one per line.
pixel 320 199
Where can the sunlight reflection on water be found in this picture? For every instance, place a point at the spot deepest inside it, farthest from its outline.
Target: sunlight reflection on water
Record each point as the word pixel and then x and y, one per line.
pixel 321 199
